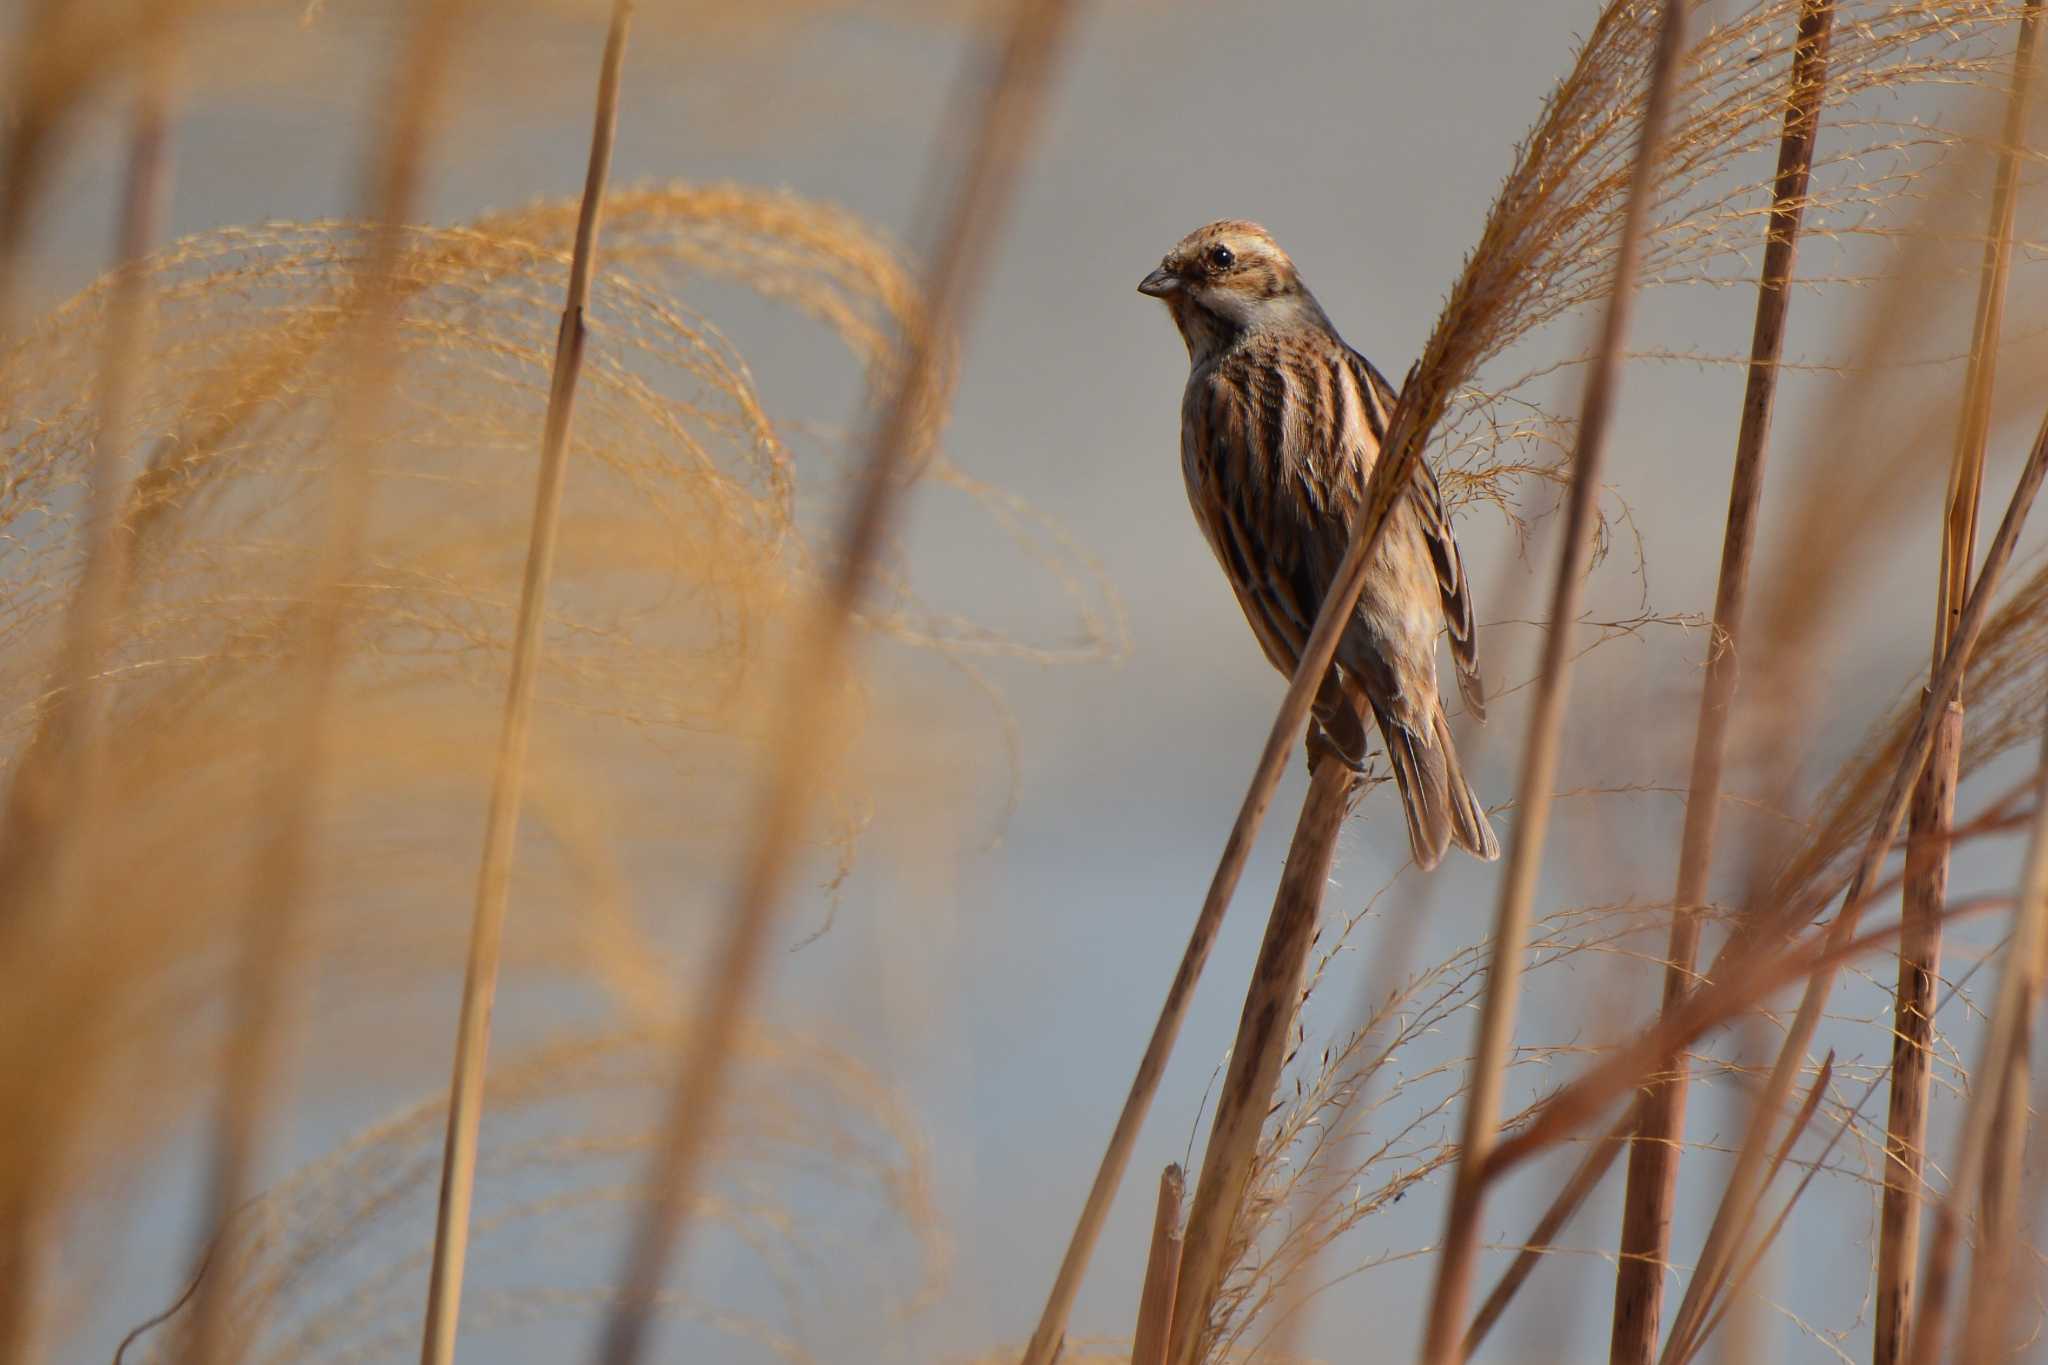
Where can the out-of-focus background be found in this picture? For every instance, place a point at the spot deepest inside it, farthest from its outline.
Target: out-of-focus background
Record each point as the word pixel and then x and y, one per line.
pixel 1043 829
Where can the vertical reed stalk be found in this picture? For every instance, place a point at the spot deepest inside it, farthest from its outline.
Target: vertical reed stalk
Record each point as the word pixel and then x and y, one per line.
pixel 1933 810
pixel 292 784
pixel 2003 1047
pixel 1013 97
pixel 1657 1145
pixel 1745 1183
pixel 1162 1270
pixel 1998 1267
pixel 24 164
pixel 61 776
pixel 1458 1257
pixel 487 928
pixel 1255 1059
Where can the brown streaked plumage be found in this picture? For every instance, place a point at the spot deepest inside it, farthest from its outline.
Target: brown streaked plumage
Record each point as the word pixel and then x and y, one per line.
pixel 1280 425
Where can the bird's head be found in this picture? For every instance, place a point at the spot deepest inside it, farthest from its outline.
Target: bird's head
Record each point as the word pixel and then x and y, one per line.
pixel 1228 278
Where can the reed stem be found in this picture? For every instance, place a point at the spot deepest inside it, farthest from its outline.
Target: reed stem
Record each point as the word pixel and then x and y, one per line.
pixel 494 876
pixel 1263 1031
pixel 55 799
pixel 292 785
pixel 1933 809
pixel 1657 1146
pixel 1739 1199
pixel 1458 1257
pixel 1012 100
pixel 1162 1271
pixel 2003 1047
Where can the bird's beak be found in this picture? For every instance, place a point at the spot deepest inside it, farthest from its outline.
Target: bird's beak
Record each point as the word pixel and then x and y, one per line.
pixel 1159 283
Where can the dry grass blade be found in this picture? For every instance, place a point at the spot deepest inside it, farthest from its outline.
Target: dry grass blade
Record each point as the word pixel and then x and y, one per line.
pixel 1459 1251
pixel 2003 1046
pixel 1009 117
pixel 54 801
pixel 1739 1281
pixel 2000 1259
pixel 1742 1188
pixel 480 981
pixel 1654 1154
pixel 1933 809
pixel 299 765
pixel 1592 1169
pixel 1162 1272
pixel 1256 1057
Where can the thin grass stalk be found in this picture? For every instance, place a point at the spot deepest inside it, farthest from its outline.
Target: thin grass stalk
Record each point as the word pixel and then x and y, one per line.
pixel 145 193
pixel 1732 996
pixel 1727 997
pixel 1388 967
pixel 1819 1162
pixel 1162 1271
pixel 24 166
pixel 1731 1288
pixel 1739 1198
pixel 64 776
pixel 501 833
pixel 1933 808
pixel 1657 1147
pixel 1013 99
pixel 1263 1031
pixel 292 784
pixel 1600 1159
pixel 2018 988
pixel 1987 1320
pixel 1591 1170
pixel 1458 1257
pixel 1925 892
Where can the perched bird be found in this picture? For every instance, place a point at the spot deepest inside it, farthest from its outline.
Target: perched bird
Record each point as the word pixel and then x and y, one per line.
pixel 1280 425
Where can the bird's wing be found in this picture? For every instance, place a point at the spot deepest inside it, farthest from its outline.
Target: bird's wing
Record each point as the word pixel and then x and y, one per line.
pixel 1427 497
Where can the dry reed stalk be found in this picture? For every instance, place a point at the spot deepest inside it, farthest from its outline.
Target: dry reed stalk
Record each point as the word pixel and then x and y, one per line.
pixel 1926 890
pixel 1933 809
pixel 1458 1256
pixel 1740 1198
pixel 1013 99
pixel 1591 1170
pixel 1738 1282
pixel 1162 1271
pixel 1256 1057
pixel 292 784
pixel 1987 1318
pixel 60 780
pixel 1743 987
pixel 2003 1048
pixel 1656 1148
pixel 1390 961
pixel 27 154
pixel 1585 1178
pixel 487 928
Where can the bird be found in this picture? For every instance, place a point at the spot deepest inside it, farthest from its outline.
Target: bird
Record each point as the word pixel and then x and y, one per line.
pixel 1281 423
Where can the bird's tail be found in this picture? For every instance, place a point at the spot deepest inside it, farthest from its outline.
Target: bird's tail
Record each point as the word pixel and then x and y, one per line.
pixel 1435 797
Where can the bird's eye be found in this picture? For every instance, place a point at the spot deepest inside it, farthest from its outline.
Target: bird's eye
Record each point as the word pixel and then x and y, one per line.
pixel 1222 257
